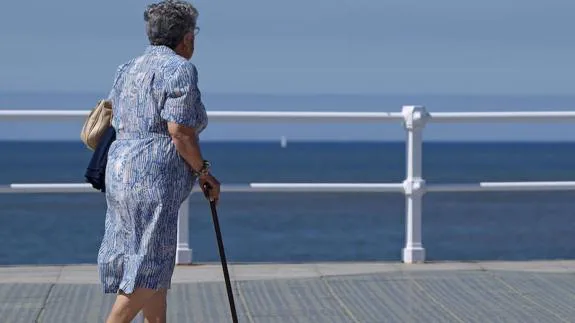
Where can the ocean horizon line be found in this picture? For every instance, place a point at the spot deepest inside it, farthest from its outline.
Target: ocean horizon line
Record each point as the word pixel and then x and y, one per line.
pixel 314 94
pixel 327 141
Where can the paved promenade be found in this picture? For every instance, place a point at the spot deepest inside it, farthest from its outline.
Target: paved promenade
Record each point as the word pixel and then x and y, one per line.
pixel 315 293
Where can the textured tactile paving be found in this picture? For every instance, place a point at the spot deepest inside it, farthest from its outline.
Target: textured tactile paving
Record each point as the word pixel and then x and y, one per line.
pixel 394 294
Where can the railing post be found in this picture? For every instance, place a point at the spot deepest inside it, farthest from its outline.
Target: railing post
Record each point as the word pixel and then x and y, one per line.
pixel 183 251
pixel 415 118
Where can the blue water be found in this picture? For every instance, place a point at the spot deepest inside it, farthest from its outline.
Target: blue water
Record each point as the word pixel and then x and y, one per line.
pixel 263 227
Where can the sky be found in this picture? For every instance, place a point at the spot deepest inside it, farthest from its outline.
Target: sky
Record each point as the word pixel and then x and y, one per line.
pixel 305 46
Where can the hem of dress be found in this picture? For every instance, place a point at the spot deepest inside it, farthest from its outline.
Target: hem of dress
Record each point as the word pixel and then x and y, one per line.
pixel 128 288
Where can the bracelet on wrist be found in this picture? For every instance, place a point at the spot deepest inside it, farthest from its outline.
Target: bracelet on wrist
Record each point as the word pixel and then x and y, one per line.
pixel 205 170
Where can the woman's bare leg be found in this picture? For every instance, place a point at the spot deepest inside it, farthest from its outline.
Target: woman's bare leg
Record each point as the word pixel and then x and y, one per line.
pixel 127 306
pixel 155 308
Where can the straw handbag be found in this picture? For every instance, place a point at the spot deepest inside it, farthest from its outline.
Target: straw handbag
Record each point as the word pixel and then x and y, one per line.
pixel 96 124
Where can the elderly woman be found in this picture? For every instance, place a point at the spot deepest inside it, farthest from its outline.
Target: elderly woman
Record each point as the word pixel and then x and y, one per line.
pixel 153 164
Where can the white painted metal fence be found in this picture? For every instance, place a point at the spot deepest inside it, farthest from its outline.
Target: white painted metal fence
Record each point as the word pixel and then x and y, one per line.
pixel 414 119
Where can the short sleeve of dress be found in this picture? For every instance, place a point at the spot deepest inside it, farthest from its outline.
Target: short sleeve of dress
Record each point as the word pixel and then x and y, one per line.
pixel 117 77
pixel 183 103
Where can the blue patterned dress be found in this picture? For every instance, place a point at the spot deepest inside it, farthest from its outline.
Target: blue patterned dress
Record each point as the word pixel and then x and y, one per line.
pixel 146 179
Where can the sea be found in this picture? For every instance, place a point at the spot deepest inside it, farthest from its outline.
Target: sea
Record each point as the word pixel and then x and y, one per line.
pixel 313 227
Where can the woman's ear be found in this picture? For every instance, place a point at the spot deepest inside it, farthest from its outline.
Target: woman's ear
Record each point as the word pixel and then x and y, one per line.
pixel 190 39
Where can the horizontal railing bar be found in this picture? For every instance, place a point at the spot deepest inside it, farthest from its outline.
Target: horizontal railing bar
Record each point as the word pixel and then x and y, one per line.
pixel 315 187
pixel 504 116
pixel 253 187
pixel 86 188
pixel 501 186
pixel 319 116
pixel 231 116
pixel 328 187
pixel 48 188
pixel 43 115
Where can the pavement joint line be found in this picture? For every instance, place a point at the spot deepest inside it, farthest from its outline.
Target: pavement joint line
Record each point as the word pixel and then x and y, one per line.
pixel 45 300
pixel 346 310
pixel 571 295
pixel 84 274
pixel 243 301
pixel 433 299
pixel 525 296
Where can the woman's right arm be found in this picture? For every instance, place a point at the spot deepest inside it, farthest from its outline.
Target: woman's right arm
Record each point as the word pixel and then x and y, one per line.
pixel 181 113
pixel 186 141
pixel 187 144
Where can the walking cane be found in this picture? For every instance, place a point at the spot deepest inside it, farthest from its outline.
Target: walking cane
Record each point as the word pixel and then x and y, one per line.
pixel 222 254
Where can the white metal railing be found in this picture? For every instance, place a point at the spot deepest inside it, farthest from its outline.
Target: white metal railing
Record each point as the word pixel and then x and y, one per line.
pixel 414 119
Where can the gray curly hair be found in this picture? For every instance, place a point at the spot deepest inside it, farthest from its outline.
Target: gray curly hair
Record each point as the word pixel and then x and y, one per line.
pixel 168 21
